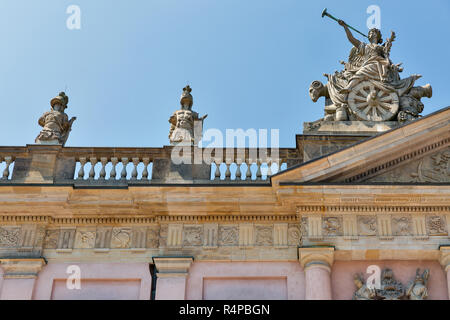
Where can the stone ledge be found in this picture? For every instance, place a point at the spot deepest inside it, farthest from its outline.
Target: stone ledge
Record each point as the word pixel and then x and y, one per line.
pixel 172 265
pixel 368 128
pixel 22 268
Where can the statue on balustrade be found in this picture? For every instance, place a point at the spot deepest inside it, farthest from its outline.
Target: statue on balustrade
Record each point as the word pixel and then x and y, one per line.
pixel 56 124
pixel 369 88
pixel 185 124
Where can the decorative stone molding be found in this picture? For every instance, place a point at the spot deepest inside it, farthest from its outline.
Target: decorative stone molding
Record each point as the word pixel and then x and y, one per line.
pixel 175 235
pixel 246 235
pixel 362 209
pixel 322 257
pixel 448 224
pixel 445 258
pixel 315 227
pixel 350 227
pixel 385 227
pixel 172 267
pixel 385 166
pixel 280 234
pixel 210 236
pixel 21 268
pixel 419 227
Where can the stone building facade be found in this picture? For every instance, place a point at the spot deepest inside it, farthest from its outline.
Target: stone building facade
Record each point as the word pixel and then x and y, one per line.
pixel 130 224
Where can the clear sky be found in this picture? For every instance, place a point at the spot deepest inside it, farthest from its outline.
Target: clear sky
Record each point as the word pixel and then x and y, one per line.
pixel 249 62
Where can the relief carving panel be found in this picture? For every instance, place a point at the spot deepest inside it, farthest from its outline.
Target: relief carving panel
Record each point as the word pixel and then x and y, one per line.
pixel 228 235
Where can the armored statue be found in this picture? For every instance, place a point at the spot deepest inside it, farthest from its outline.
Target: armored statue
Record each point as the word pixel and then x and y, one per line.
pixel 56 124
pixel 369 88
pixel 363 292
pixel 184 121
pixel 417 289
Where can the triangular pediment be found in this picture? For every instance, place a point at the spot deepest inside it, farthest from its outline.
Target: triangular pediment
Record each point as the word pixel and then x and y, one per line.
pixel 421 146
pixel 434 168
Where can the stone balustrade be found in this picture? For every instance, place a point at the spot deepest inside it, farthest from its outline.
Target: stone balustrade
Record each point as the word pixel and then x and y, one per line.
pixel 81 165
pixel 113 168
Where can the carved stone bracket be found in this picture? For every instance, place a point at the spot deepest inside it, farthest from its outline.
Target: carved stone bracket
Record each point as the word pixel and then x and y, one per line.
pixel 318 257
pixel 172 267
pixel 21 268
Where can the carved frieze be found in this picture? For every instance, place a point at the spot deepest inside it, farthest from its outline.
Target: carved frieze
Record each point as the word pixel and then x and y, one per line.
pixel 332 226
pixel 85 238
pixel 294 234
pixel 51 239
pixel 436 225
pixel 121 238
pixel 193 235
pixel 153 237
pixel 264 235
pixel 367 225
pixel 228 235
pixel 401 226
pixel 9 237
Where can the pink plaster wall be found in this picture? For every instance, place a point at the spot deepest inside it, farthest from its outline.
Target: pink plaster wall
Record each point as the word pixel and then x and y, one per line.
pixel 17 289
pixel 343 271
pixel 98 290
pixel 245 289
pixel 245 280
pixel 98 281
pixel 171 288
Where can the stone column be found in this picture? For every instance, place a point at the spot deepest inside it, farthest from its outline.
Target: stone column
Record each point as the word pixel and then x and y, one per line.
pixel 317 262
pixel 19 278
pixel 171 277
pixel 445 262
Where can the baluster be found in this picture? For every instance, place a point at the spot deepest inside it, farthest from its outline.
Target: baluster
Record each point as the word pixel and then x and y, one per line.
pixel 113 173
pixel 217 173
pixel 258 171
pixel 238 169
pixel 278 169
pixel 227 172
pixel 81 171
pixel 8 161
pixel 248 173
pixel 146 161
pixel 93 162
pixel 134 173
pixel 103 161
pixel 123 174
pixel 269 168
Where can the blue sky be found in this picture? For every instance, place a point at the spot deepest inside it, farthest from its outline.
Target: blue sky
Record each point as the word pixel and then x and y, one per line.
pixel 249 62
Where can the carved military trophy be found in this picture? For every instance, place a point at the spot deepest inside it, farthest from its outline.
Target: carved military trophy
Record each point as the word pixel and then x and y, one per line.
pixel 56 124
pixel 369 88
pixel 392 289
pixel 185 124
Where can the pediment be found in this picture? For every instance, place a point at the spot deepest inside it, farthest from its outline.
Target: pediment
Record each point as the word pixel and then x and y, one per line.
pixel 434 168
pixel 417 152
